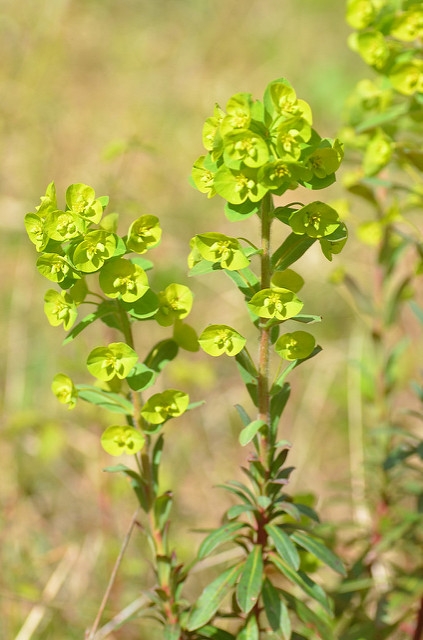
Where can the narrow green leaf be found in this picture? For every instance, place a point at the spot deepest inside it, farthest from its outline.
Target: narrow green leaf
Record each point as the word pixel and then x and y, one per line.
pixel 251 430
pixel 318 549
pixel 291 250
pixel 210 631
pixel 172 632
pixel 250 630
pixel 105 399
pixel 104 309
pixel 284 546
pixel 275 609
pixel 249 586
pixel 316 619
pixel 223 535
pixel 307 319
pixel 302 580
pixel 156 457
pixel 212 597
pixel 243 415
pixel 141 377
pixel 162 353
pixel 238 509
pixel 248 373
pixel 277 405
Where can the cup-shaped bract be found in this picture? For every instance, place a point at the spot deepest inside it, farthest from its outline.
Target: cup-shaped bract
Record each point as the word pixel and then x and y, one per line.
pixel 360 13
pixel 55 268
pixel 64 225
pixel 276 303
pixel 34 225
pixel 120 278
pixel 245 147
pixel 203 177
pixel 408 25
pixel 315 220
pixel 121 439
pixel 80 198
pixel 335 242
pixel 97 247
pixel 163 406
pixel 117 359
pixel 219 339
pixel 64 390
pixel 60 308
pixel 238 185
pixel 175 303
pixel 407 77
pixel 144 234
pixel 295 346
pixel 224 250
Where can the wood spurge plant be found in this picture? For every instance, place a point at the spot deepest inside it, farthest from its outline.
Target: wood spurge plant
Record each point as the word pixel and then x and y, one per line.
pixel 284 578
pixel 256 150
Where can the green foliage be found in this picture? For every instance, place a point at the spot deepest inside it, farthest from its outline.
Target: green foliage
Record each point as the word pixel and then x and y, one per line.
pixel 271 586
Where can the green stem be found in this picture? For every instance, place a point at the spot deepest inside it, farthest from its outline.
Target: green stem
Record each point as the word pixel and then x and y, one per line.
pixel 129 338
pixel 263 364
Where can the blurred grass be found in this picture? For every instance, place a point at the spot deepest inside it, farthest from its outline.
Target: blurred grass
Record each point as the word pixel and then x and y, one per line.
pixel 114 94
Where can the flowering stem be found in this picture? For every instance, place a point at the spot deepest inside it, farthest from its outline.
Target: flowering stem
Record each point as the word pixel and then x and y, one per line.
pixel 263 368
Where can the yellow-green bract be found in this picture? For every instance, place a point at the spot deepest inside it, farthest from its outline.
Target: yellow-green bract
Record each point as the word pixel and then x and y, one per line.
pixel 218 339
pixel 117 359
pixel 118 440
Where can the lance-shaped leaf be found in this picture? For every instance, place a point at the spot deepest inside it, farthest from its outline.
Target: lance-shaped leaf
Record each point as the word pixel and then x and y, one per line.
pixel 221 249
pixel 141 377
pixel 60 308
pixel 64 390
pixel 114 402
pixel 175 303
pixel 250 582
pixel 222 535
pixel 318 619
pixel 212 597
pixel 276 609
pixel 119 440
pixel 302 580
pixel 284 545
pixel 162 353
pixel 215 633
pixel 117 359
pixel 295 346
pixel 218 339
pixel 276 303
pixel 250 431
pixel 315 220
pixel 318 549
pixel 291 250
pixel 97 247
pixel 144 234
pixel 120 278
pixel 250 630
pixel 172 631
pixel 80 198
pixel 163 406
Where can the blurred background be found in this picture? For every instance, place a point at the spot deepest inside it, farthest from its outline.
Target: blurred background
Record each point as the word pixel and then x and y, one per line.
pixel 114 95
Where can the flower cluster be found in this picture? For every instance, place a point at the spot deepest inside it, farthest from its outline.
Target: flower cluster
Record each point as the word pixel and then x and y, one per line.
pixel 258 147
pixel 389 39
